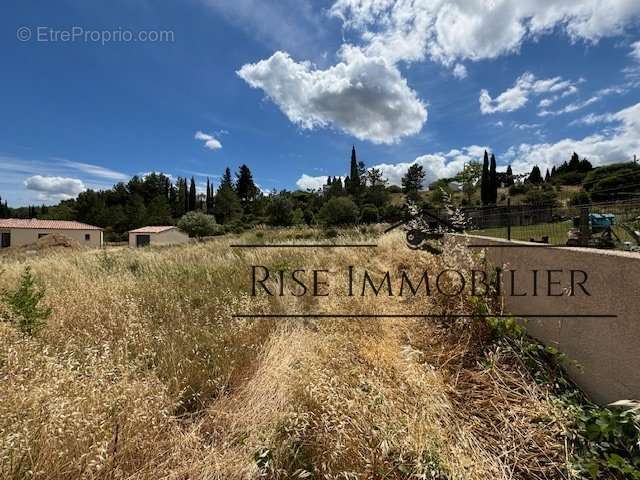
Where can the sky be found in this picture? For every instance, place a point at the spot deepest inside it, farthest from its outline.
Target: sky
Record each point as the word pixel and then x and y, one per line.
pixel 92 93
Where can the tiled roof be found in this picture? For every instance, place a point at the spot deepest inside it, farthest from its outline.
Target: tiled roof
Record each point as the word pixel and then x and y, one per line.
pixel 154 229
pixel 44 224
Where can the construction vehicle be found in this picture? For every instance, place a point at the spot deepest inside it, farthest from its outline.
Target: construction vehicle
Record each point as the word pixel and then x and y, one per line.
pixel 600 233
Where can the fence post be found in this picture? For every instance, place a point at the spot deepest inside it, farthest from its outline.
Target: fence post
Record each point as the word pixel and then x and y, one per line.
pixel 509 218
pixel 585 230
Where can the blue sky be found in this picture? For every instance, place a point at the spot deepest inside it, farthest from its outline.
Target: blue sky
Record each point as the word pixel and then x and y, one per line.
pixel 287 86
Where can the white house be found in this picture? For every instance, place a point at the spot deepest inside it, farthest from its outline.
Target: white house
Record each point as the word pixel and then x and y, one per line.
pixel 157 235
pixel 16 232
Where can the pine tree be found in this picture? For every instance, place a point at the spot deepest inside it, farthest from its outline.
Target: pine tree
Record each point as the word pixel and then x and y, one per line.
pixel 412 181
pixel 226 204
pixel 509 176
pixel 535 177
pixel 484 180
pixel 547 177
pixel 246 189
pixel 493 181
pixel 226 180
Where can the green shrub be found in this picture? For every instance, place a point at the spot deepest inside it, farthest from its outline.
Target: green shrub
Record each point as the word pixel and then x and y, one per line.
pixel 198 224
pixel 369 214
pixel 579 198
pixel 280 211
pixel 339 211
pixel 24 301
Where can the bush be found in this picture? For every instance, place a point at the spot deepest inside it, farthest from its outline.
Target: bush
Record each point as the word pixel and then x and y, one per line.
pixel 369 214
pixel 24 301
pixel 280 211
pixel 198 224
pixel 579 198
pixel 519 189
pixel 541 197
pixel 298 217
pixel 339 211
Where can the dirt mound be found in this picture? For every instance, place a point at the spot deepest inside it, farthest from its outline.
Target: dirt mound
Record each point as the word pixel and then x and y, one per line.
pixel 55 241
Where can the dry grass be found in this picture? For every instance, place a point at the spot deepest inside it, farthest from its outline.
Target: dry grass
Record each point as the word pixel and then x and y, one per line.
pixel 141 373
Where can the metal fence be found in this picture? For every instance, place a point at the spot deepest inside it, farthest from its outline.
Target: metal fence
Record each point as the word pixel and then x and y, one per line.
pixel 581 224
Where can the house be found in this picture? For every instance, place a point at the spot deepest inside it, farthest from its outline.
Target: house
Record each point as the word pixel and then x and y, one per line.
pixel 157 235
pixel 16 232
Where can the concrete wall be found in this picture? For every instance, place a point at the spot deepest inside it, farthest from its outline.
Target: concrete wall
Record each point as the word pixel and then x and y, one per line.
pixel 168 237
pixel 27 236
pixel 606 349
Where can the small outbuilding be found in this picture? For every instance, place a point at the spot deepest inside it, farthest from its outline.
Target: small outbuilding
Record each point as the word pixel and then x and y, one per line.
pixel 157 235
pixel 17 232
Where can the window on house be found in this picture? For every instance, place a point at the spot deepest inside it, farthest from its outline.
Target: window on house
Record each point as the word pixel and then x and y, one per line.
pixel 40 235
pixel 87 237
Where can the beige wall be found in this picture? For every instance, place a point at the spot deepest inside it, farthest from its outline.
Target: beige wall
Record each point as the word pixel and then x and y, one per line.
pixel 27 236
pixel 607 350
pixel 168 237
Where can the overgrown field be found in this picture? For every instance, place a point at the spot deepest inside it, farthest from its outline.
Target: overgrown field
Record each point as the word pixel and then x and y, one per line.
pixel 140 372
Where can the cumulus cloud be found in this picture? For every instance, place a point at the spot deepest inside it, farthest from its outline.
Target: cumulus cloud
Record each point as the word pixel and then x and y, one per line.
pixel 55 187
pixel 436 165
pixel 517 96
pixel 307 182
pixel 618 142
pixel 460 71
pixel 364 96
pixel 615 144
pixel 450 30
pixel 210 141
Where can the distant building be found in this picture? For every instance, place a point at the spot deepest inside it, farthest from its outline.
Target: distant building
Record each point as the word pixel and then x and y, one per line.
pixel 157 235
pixel 16 232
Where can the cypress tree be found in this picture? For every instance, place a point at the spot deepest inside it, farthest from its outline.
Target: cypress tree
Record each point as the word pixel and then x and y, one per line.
pixel 354 174
pixel 493 181
pixel 209 197
pixel 192 195
pixel 484 180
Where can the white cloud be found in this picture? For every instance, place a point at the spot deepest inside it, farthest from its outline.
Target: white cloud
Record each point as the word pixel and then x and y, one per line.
pixel 592 119
pixel 517 96
pixel 450 30
pixel 362 95
pixel 436 165
pixel 614 144
pixel 307 182
pixel 635 50
pixel 460 71
pixel 55 187
pixel 96 170
pixel 209 141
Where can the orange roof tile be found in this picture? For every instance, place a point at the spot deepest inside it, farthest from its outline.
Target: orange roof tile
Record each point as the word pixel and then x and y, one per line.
pixel 153 229
pixel 44 224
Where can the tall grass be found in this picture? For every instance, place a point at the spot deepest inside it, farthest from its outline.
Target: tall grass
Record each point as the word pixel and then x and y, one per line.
pixel 142 372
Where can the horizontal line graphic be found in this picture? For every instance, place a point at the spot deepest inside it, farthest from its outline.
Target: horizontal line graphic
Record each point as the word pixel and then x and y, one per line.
pixel 394 315
pixel 304 245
